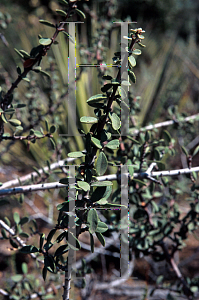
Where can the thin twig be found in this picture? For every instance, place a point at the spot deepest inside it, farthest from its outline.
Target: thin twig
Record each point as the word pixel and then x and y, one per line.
pixel 32 188
pixel 27 137
pixel 31 175
pixel 163 124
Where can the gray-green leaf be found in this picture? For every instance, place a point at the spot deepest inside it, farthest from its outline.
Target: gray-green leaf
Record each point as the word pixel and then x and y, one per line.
pixel 102 164
pixel 88 120
pixel 92 220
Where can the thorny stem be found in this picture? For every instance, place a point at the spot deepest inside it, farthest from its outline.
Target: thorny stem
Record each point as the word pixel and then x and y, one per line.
pixel 102 122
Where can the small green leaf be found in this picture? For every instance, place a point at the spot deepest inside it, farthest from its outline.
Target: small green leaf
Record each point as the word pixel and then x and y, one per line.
pixel 4 233
pixel 88 120
pixel 155 207
pixel 167 137
pixel 61 12
pixel 47 23
pixel 69 36
pixel 92 220
pixel 52 143
pixel 38 134
pixel 42 239
pixel 19 105
pixel 3 117
pixel 102 164
pixel 25 54
pixel 36 50
pixel 114 144
pixel 6 134
pixel 80 13
pixel 24 235
pixel 44 273
pixel 47 126
pixel 97 98
pixel 53 129
pixel 16 217
pixel 157 154
pixel 49 263
pixel 96 142
pixel 101 192
pixel 159 279
pixel 7 221
pixel 132 76
pixel 64 206
pixel 45 73
pixel 122 92
pixel 132 61
pixel 36 170
pixel 76 242
pixel 45 41
pixel 147 136
pixel 29 249
pixel 17 278
pixel 101 238
pixel 131 170
pixel 37 69
pixel 9 111
pixel 24 268
pixel 101 227
pixel 194 289
pixel 141 45
pixel 19 70
pixel 102 201
pixel 115 120
pixel 83 185
pixel 64 181
pixel 76 154
pixel 106 87
pixel 184 150
pixel 26 79
pixel 61 250
pixel 13 243
pixel 61 237
pixel 194 174
pixel 195 151
pixel 191 226
pixel 137 51
pixel 17 51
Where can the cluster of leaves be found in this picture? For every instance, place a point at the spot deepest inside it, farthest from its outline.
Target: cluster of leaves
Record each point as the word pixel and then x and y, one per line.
pixel 22 285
